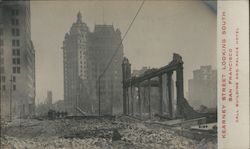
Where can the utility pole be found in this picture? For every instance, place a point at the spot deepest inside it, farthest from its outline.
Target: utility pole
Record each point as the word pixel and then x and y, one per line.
pixel 99 96
pixel 11 80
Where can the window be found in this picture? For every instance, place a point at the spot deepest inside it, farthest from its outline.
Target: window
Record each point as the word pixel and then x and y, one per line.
pixel 1 60
pixel 14 52
pixel 15 22
pixel 3 79
pixel 1 42
pixel 15 12
pixel 18 61
pixel 14 69
pixel 14 79
pixel 15 43
pixel 1 70
pixel 18 69
pixel 1 32
pixel 13 61
pixel 4 88
pixel 1 51
pixel 18 52
pixel 14 87
pixel 15 32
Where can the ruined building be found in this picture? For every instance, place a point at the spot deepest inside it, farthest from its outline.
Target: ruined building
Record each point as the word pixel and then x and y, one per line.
pixel 202 88
pixel 85 56
pixel 156 92
pixel 17 60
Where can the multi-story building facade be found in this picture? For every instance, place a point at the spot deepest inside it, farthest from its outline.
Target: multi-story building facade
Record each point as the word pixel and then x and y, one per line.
pixel 202 89
pixel 74 62
pixel 86 54
pixel 17 57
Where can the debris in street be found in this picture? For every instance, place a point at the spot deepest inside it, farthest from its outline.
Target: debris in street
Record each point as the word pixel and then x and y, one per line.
pixel 95 133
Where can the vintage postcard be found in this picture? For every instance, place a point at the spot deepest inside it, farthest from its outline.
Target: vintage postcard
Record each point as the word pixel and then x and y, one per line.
pixel 124 74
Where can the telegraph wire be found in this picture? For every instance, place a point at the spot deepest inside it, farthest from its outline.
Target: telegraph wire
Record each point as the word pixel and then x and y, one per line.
pixel 130 25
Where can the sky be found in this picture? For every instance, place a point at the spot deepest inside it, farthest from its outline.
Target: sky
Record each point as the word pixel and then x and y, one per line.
pixel 161 28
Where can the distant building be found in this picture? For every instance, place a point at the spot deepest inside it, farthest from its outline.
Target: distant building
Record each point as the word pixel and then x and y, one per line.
pixel 202 89
pixel 17 60
pixel 49 99
pixel 85 56
pixel 137 73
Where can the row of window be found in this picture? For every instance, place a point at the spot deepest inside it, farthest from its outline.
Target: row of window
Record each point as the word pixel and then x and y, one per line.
pixel 2 79
pixel 14 70
pixel 15 52
pixel 3 88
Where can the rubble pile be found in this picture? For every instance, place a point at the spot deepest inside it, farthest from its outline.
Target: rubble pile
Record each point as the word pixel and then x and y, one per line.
pixel 4 123
pixel 156 138
pixel 53 143
pixel 93 134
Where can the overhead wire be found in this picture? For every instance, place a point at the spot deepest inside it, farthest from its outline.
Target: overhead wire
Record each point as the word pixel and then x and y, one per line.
pixel 124 36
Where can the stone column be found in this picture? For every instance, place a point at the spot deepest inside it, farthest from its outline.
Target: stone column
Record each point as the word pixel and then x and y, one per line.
pixel 124 101
pixel 126 74
pixel 169 81
pixel 161 96
pixel 128 102
pixel 149 100
pixel 132 100
pixel 139 100
pixel 180 89
pixel 124 88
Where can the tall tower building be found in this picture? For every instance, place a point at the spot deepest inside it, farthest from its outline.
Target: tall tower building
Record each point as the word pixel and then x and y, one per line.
pixel 86 54
pixel 17 60
pixel 74 62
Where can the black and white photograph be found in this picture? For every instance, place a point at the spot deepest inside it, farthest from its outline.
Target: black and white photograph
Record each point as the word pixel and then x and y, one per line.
pixel 108 74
